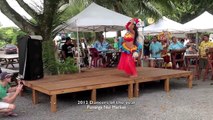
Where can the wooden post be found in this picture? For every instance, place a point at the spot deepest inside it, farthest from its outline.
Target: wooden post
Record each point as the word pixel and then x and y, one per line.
pixel 136 89
pixel 206 72
pixel 35 97
pixel 53 103
pixel 130 90
pixel 93 95
pixel 166 85
pixel 190 78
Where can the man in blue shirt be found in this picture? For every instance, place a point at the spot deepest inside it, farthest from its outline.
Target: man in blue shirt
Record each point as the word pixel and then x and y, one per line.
pixel 173 48
pixel 101 44
pixel 155 48
pixel 175 45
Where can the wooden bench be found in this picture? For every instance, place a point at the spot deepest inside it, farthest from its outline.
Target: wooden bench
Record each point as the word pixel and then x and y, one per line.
pixel 75 85
pixel 154 74
pixel 9 59
pixel 9 70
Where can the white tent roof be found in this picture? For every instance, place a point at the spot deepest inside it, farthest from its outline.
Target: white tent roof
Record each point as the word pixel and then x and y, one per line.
pixel 96 18
pixel 202 23
pixel 164 24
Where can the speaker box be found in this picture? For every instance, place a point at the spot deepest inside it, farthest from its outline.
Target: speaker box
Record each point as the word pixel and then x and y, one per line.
pixel 30 58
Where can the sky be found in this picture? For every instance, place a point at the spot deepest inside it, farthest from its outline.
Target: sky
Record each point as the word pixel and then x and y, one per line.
pixel 6 22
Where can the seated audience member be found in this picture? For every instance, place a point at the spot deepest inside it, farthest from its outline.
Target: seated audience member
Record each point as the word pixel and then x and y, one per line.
pixel 101 44
pixel 67 49
pixel 175 45
pixel 203 48
pixel 191 49
pixel 8 94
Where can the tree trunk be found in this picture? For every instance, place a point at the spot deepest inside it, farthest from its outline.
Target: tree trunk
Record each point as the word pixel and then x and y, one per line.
pixel 43 24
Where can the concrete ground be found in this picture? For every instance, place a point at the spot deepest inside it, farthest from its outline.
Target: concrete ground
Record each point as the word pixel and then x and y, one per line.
pixel 181 103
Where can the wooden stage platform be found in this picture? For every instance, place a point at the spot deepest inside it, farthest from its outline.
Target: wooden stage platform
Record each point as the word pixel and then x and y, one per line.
pixel 94 79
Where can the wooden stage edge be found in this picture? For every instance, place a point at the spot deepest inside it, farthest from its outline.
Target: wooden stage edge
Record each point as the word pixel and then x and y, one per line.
pixel 101 78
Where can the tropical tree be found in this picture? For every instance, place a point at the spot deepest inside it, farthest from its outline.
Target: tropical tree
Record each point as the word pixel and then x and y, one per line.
pixel 139 8
pixel 51 13
pixel 188 10
pixel 46 16
pixel 9 34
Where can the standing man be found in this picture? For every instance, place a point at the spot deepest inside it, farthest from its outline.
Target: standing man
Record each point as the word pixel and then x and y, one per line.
pixel 155 50
pixel 204 45
pixel 8 94
pixel 67 50
pixel 146 50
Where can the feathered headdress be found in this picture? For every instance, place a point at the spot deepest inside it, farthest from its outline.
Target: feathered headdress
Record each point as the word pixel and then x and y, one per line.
pixel 137 22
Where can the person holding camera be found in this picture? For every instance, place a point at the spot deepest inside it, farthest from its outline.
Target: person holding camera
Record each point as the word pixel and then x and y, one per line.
pixel 8 94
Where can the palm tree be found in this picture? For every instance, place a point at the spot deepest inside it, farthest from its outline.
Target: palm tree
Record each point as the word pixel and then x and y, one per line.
pixel 186 11
pixel 138 8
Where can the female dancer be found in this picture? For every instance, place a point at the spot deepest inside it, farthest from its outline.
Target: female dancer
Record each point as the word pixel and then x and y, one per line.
pixel 130 48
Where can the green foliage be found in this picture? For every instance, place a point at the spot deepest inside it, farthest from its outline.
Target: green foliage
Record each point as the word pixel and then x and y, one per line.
pixel 110 40
pixel 2 43
pixel 68 66
pixel 188 10
pixel 138 8
pixel 49 60
pixel 53 66
pixel 9 35
pixel 75 7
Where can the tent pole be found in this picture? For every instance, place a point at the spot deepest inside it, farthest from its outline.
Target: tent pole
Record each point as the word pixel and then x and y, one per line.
pixel 197 40
pixel 142 47
pixel 105 32
pixel 78 48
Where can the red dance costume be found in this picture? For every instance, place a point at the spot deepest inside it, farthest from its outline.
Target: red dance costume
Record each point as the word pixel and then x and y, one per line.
pixel 127 62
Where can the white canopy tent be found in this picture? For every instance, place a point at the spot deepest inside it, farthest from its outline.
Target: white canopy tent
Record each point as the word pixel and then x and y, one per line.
pixel 164 24
pixel 94 18
pixel 202 23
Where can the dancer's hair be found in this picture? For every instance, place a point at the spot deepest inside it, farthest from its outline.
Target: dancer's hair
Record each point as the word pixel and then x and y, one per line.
pixel 135 28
